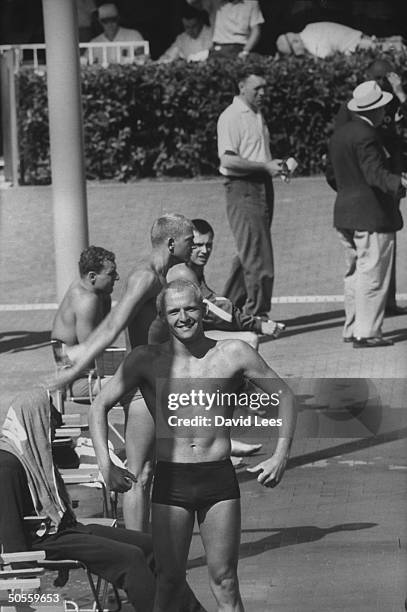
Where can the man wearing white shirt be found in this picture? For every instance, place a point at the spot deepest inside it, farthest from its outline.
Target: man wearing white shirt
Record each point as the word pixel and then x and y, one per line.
pixel 246 163
pixel 236 24
pixel 194 43
pixel 109 18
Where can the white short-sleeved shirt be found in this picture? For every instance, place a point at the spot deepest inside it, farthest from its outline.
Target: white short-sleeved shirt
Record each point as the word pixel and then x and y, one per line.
pixel 123 35
pixel 324 38
pixel 233 22
pixel 244 132
pixel 185 46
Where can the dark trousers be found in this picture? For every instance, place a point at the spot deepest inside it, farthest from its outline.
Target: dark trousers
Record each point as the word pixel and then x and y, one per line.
pixel 117 555
pixel 249 208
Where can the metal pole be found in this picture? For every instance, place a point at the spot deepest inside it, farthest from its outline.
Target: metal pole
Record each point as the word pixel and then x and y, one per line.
pixel 66 139
pixel 9 116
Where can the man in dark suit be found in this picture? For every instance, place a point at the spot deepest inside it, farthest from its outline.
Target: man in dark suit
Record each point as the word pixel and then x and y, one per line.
pixel 366 214
pixel 390 132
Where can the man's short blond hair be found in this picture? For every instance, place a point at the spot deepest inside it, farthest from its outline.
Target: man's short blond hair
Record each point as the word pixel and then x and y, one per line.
pixel 178 285
pixel 172 225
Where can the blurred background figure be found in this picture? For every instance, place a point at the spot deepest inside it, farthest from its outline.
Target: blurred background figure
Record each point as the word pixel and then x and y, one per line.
pixel 109 19
pixel 194 42
pixel 86 19
pixel 236 25
pixel 322 39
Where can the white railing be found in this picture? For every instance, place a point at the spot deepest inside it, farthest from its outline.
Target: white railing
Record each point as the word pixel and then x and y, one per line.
pixel 103 54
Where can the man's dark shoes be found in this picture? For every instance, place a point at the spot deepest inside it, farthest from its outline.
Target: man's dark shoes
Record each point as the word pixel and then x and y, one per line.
pixel 395 311
pixel 359 343
pixel 348 339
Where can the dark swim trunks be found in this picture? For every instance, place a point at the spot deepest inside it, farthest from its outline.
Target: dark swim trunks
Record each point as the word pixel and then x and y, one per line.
pixel 194 486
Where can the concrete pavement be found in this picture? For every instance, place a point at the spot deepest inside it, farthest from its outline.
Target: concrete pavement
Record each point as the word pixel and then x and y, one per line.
pixel 332 536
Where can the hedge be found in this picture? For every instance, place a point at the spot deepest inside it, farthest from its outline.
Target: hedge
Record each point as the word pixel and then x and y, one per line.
pixel 160 120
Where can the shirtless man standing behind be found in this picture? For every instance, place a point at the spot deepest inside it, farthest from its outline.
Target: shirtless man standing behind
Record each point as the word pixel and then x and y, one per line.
pixel 194 475
pixel 172 239
pixel 83 307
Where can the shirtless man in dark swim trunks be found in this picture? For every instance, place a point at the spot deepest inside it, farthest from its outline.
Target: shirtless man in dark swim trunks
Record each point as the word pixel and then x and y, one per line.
pixel 172 239
pixel 193 474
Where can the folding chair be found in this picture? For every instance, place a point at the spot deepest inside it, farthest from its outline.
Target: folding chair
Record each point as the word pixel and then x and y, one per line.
pixel 16 578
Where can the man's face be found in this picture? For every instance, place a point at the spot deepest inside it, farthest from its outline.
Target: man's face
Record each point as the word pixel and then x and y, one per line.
pixel 106 278
pixel 202 248
pixel 192 27
pixel 183 314
pixel 253 90
pixel 110 26
pixel 297 45
pixel 183 246
pixel 377 115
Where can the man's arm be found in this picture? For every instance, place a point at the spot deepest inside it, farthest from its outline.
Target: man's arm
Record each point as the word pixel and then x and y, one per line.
pixel 139 289
pixel 125 379
pixel 232 161
pixel 376 175
pixel 252 41
pixel 172 53
pixel 87 316
pixel 255 369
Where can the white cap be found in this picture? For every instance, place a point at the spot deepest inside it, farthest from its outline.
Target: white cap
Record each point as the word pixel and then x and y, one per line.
pixel 106 11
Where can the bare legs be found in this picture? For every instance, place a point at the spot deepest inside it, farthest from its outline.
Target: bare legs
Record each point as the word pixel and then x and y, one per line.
pixel 139 452
pixel 220 532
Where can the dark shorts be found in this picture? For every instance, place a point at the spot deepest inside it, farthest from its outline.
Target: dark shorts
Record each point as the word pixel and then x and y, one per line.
pixel 194 486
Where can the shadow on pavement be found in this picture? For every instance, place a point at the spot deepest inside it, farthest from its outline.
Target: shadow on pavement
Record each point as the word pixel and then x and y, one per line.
pixel 398 335
pixel 334 451
pixel 23 340
pixel 346 447
pixel 317 317
pixel 284 536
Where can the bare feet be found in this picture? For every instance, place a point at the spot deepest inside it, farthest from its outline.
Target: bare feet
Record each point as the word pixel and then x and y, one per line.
pixel 272 328
pixel 242 449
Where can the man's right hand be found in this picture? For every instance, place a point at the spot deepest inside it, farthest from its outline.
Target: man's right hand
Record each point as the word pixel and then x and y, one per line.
pixel 274 167
pixel 117 478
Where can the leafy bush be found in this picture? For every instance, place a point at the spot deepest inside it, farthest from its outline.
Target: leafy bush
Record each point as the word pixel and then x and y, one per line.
pixel 156 120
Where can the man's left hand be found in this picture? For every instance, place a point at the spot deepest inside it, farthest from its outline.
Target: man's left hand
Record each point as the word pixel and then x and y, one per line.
pixel 270 471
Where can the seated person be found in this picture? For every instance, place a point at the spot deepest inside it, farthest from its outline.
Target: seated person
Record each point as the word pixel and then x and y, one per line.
pixel 236 24
pixel 31 485
pixel 84 305
pixel 194 43
pixel 221 314
pixel 324 38
pixel 109 18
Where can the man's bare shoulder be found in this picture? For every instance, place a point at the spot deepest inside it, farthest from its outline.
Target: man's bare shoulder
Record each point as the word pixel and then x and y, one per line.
pixel 147 354
pixel 235 346
pixel 181 272
pixel 236 353
pixel 81 298
pixel 145 277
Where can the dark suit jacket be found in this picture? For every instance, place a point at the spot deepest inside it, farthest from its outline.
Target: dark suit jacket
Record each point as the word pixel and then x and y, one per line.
pixel 367 192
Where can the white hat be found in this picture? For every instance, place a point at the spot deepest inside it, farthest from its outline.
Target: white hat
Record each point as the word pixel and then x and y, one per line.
pixel 367 96
pixel 106 11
